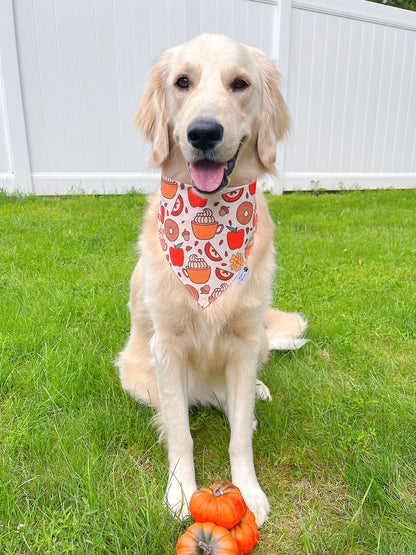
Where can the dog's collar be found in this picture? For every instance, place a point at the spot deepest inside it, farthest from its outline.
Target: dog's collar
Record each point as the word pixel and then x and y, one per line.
pixel 207 241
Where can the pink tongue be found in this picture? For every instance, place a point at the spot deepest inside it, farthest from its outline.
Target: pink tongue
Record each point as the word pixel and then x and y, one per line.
pixel 207 176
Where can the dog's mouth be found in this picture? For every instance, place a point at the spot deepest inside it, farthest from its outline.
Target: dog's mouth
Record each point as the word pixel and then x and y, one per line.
pixel 210 177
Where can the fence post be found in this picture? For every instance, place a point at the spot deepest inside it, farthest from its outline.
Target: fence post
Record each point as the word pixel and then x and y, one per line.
pixel 9 67
pixel 282 49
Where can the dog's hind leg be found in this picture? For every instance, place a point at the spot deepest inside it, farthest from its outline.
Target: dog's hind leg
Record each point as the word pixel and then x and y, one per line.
pixel 137 372
pixel 136 364
pixel 285 330
pixel 262 391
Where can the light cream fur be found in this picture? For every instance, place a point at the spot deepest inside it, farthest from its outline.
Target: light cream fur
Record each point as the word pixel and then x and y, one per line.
pixel 179 353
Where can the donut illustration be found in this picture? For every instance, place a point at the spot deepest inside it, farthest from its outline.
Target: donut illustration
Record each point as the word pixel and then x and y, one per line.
pixel 244 212
pixel 193 291
pixel 171 230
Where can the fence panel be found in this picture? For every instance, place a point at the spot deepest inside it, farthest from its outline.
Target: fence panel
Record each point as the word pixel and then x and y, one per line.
pixel 5 162
pixel 72 71
pixel 350 88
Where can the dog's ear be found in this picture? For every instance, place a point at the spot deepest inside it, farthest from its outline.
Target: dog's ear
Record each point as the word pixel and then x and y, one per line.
pixel 274 116
pixel 151 116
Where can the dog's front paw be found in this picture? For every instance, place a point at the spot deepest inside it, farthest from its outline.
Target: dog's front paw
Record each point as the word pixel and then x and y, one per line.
pixel 177 498
pixel 257 503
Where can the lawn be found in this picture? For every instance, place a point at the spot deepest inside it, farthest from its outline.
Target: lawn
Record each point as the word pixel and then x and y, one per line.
pixel 81 470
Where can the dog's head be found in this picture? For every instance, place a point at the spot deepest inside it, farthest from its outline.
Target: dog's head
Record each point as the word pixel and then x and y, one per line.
pixel 214 113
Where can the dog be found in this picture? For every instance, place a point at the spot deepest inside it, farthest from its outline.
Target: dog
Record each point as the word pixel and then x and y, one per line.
pixel 213 112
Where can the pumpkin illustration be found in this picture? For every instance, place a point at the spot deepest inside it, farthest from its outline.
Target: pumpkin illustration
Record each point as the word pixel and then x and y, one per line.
pixel 246 533
pixel 221 503
pixel 206 539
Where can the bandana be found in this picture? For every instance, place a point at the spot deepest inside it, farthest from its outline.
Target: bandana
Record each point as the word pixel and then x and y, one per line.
pixel 207 241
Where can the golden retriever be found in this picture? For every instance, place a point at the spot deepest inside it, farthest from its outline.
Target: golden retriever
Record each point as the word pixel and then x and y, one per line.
pixel 213 112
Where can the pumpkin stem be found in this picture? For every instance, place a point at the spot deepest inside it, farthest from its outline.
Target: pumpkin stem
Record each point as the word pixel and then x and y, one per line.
pixel 218 492
pixel 206 549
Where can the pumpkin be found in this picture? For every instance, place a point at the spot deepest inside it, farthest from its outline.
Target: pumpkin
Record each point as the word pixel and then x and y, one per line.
pixel 206 539
pixel 246 533
pixel 221 503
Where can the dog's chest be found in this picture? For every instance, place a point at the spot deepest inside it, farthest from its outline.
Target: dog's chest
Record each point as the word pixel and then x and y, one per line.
pixel 208 342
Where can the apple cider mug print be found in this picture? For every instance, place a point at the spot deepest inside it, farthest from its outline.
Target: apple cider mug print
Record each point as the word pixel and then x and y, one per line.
pixel 204 225
pixel 206 241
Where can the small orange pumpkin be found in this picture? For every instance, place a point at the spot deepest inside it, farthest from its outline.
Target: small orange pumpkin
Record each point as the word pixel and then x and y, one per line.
pixel 221 503
pixel 246 533
pixel 206 539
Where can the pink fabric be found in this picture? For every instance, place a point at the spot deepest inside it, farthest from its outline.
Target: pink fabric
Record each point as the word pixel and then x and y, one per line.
pixel 207 241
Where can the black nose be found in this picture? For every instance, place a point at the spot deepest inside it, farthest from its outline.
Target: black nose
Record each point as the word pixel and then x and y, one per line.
pixel 205 134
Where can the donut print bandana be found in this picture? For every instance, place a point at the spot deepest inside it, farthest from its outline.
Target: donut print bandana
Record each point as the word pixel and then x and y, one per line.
pixel 207 241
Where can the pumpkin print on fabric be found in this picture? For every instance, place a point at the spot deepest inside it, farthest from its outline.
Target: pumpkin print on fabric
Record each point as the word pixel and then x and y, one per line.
pixel 206 241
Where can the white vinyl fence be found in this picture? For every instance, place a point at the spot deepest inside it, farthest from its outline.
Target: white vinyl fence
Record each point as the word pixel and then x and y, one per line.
pixel 71 73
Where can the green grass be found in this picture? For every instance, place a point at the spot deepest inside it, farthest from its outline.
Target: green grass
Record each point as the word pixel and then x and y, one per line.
pixel 81 470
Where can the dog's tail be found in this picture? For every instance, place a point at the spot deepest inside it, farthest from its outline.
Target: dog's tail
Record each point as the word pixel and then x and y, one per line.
pixel 285 330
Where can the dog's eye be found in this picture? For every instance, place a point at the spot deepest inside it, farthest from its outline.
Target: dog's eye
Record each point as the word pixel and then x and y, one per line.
pixel 183 83
pixel 239 85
